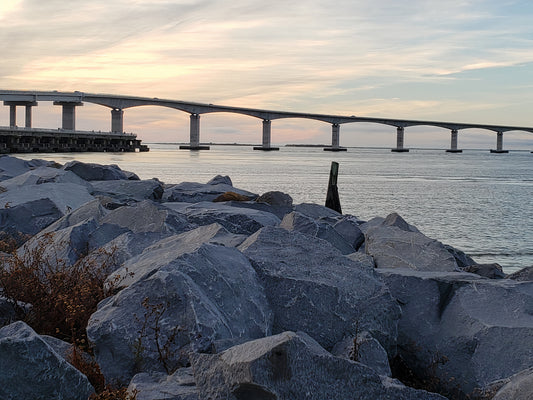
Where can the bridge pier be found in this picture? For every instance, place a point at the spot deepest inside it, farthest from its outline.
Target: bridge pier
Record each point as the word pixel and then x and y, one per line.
pixel 13 112
pixel 335 139
pixel 69 113
pixel 194 136
pixel 117 120
pixel 267 128
pixel 453 146
pixel 399 141
pixel 499 144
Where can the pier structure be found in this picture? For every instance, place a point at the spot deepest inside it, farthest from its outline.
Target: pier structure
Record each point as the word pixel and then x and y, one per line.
pixel 118 103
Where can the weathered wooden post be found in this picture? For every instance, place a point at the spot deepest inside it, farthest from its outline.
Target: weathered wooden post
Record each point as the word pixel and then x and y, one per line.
pixel 332 198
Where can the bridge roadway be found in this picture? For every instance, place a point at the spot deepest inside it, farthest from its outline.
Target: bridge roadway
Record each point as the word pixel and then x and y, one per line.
pixel 70 100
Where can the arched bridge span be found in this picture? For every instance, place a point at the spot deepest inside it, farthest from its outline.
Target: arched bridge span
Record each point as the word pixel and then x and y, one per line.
pixel 118 103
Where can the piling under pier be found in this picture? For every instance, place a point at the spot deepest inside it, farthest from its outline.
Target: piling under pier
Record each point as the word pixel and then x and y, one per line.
pixel 34 140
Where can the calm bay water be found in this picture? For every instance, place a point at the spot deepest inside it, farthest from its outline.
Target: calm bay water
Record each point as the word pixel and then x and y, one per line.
pixel 476 201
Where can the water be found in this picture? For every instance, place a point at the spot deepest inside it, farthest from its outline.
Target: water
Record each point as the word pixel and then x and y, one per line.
pixel 476 201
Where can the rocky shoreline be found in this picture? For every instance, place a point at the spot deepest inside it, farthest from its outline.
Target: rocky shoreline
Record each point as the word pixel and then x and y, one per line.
pixel 219 293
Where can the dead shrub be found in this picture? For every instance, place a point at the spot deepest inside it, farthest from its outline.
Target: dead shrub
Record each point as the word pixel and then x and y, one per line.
pixel 62 296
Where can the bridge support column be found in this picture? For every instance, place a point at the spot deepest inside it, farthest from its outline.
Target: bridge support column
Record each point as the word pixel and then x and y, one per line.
pixel 499 144
pixel 69 113
pixel 267 129
pixel 194 141
pixel 335 139
pixel 453 146
pixel 28 115
pixel 13 111
pixel 12 115
pixel 117 120
pixel 399 141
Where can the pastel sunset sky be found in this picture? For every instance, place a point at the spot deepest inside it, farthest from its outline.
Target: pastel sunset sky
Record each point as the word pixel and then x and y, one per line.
pixel 453 60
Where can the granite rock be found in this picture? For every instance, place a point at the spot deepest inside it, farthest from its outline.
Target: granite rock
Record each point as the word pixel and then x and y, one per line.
pixel 97 172
pixel 291 366
pixel 461 330
pixel 160 386
pixel 197 298
pixel 31 369
pixel 326 305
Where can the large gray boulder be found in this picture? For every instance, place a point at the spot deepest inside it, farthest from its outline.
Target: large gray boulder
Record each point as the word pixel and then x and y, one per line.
pixel 125 231
pixel 167 250
pixel 30 208
pixel 129 190
pixel 461 331
pixel 518 387
pixel 160 386
pixel 235 219
pixel 42 175
pixel 31 369
pixel 194 192
pixel 97 172
pixel 192 301
pixel 313 288
pixel 298 222
pixel 291 366
pixel 29 218
pixel 12 166
pixel 395 244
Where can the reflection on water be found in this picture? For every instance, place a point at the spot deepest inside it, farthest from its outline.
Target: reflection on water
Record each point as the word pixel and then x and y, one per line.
pixel 476 201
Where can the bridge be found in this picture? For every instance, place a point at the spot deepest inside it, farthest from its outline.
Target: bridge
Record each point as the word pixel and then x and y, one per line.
pixel 117 103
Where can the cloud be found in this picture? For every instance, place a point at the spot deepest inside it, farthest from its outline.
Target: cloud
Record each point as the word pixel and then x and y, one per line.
pixel 353 56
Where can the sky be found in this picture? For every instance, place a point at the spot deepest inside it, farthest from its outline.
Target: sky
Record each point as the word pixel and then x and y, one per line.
pixel 454 60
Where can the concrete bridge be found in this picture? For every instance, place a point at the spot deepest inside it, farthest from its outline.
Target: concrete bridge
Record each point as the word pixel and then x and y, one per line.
pixel 70 100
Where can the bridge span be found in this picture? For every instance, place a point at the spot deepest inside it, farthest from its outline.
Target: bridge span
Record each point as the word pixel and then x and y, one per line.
pixel 118 103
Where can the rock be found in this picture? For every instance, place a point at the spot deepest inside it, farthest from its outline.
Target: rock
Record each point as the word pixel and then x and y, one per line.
pixel 491 271
pixel 90 210
pixel 308 226
pixel 519 387
pixel 192 192
pixel 396 220
pixel 461 331
pixel 42 175
pixel 278 211
pixel 12 166
pixel 220 179
pixel 364 260
pixel 395 244
pixel 68 244
pixel 195 299
pixel 235 219
pixel 316 211
pixel 290 366
pixel 7 312
pixel 138 226
pixel 462 259
pixel 369 352
pixel 348 228
pixel 31 369
pixel 231 196
pixel 525 274
pixel 275 198
pixel 64 196
pixel 128 190
pixel 169 249
pixel 28 218
pixel 313 288
pixel 159 386
pixel 97 172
